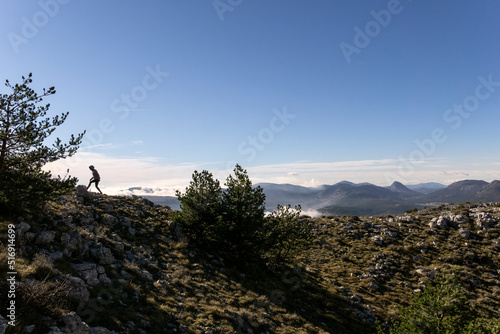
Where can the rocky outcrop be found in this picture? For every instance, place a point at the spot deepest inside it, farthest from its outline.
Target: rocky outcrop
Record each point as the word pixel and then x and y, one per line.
pixel 91 235
pixel 124 256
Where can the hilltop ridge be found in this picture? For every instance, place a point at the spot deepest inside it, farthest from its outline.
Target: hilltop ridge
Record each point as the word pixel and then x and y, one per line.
pixel 348 198
pixel 127 268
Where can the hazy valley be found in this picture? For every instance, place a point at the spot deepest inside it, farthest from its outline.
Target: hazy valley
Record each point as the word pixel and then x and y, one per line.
pixel 347 198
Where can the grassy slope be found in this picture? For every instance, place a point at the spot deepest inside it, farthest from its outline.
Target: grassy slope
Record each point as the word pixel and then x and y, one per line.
pixel 339 285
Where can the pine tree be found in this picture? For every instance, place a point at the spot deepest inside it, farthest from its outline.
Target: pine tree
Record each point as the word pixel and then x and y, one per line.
pixel 200 208
pixel 243 216
pixel 24 129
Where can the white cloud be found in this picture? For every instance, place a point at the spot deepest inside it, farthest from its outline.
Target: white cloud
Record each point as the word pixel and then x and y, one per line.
pixel 120 173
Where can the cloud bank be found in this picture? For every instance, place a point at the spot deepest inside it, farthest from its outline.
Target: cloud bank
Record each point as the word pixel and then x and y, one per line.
pixel 155 177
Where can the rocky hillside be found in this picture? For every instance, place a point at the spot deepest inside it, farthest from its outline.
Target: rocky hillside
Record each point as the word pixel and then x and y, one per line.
pixel 102 264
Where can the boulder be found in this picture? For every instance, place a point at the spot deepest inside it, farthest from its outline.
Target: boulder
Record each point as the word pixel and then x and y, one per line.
pixel 45 237
pixel 74 324
pixel 484 220
pixel 377 239
pixel 464 233
pixel 87 271
pixel 83 195
pixel 78 290
pixel 57 255
pixel 103 255
pixel 23 227
pixel 459 220
pixel 439 222
pixel 72 242
pixel 29 236
pixel 109 220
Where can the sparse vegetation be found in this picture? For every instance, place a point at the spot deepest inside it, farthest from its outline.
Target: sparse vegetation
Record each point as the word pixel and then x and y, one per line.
pixel 285 235
pixel 442 307
pixel 131 269
pixel 232 222
pixel 38 299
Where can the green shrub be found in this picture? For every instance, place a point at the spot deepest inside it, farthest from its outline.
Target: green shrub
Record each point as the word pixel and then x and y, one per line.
pixel 242 216
pixel 200 214
pixel 285 235
pixel 442 307
pixel 232 222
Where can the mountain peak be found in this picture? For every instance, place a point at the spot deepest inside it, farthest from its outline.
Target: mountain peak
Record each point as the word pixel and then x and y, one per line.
pixel 400 188
pixel 397 185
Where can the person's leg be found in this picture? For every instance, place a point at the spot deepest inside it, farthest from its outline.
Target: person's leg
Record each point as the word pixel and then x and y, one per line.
pixel 96 185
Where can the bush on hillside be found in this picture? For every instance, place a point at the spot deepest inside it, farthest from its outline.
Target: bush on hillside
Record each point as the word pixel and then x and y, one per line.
pixel 200 214
pixel 242 216
pixel 285 235
pixel 442 308
pixel 232 222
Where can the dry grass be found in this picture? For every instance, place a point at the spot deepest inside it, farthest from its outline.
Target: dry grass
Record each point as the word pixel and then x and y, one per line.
pixel 342 278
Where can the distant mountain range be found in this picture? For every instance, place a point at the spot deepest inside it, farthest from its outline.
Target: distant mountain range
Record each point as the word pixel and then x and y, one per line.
pixel 360 199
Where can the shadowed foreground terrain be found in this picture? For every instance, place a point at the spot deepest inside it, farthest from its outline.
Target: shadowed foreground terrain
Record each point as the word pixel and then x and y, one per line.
pixel 103 264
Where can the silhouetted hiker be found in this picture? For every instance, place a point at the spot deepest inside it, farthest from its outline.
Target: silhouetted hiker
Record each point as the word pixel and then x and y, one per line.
pixel 95 178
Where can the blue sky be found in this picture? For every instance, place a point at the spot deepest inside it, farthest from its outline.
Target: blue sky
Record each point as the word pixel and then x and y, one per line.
pixel 302 92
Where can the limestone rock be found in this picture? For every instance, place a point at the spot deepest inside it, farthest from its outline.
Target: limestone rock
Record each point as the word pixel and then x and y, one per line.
pixel 83 195
pixel 23 227
pixel 439 222
pixel 464 233
pixel 74 324
pixel 45 237
pixel 484 220
pixel 103 255
pixel 78 290
pixel 88 272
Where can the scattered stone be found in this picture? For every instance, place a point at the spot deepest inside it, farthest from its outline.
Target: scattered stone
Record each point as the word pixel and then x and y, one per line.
pixel 45 237
pixel 74 324
pixel 126 222
pixel 103 255
pixel 146 275
pixel 83 195
pixel 109 220
pixel 57 255
pixel 88 272
pixel 485 220
pixel 440 222
pixel 73 242
pixel 377 239
pixel 29 236
pixel 23 227
pixel 29 329
pixel 464 233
